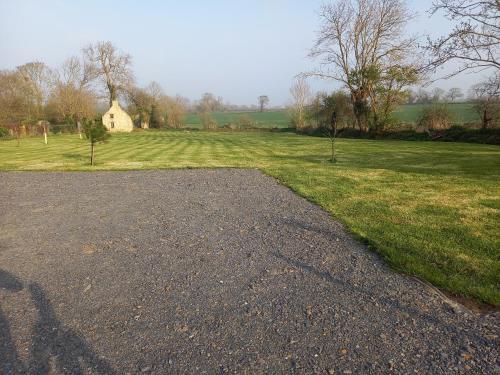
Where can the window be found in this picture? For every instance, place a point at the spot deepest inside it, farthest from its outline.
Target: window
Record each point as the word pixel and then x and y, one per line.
pixel 111 115
pixel 112 124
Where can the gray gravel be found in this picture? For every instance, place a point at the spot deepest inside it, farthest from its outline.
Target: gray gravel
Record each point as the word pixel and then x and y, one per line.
pixel 209 271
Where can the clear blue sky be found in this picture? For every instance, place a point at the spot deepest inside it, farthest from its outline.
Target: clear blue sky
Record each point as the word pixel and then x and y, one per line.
pixel 236 49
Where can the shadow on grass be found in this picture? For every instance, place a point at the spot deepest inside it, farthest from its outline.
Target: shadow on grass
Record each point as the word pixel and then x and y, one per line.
pixel 52 342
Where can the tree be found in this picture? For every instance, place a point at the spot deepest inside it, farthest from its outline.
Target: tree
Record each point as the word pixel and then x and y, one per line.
pixel 15 101
pixel 95 132
pixel 263 101
pixel 175 111
pixel 487 100
pixel 301 93
pixel 359 42
pixel 437 94
pixel 39 80
pixel 72 104
pixel 388 93
pixel 454 93
pixel 111 66
pixel 73 98
pixel 209 103
pixel 474 40
pixel 323 105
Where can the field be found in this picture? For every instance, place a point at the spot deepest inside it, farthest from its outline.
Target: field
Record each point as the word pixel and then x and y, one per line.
pixel 461 113
pixel 430 209
pixel 270 119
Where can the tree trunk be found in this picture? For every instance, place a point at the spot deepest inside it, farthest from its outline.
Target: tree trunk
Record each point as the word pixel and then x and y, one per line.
pixel 91 153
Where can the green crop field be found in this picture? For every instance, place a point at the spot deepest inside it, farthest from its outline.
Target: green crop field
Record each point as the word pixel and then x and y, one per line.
pixel 268 119
pixel 460 112
pixel 430 209
pixel 409 113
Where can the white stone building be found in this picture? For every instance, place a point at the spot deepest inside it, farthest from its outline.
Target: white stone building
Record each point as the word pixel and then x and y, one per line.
pixel 117 120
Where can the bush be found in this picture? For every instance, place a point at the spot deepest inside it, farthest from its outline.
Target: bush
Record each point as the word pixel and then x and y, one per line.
pixel 4 132
pixel 244 121
pixel 207 121
pixel 436 117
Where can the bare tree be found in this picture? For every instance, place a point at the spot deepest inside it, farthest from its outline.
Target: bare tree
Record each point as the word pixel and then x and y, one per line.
pixel 263 101
pixel 301 93
pixel 73 96
pixel 358 42
pixel 437 94
pixel 155 90
pixel 15 102
pixel 454 93
pixel 487 100
pixel 475 39
pixel 39 80
pixel 112 66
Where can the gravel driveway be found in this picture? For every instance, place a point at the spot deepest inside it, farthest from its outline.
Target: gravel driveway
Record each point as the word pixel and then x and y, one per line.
pixel 209 271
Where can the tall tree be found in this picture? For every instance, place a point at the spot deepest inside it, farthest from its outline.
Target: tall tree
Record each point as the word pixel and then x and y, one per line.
pixel 15 102
pixel 263 101
pixel 359 42
pixel 301 93
pixel 475 38
pixel 112 66
pixel 39 80
pixel 72 97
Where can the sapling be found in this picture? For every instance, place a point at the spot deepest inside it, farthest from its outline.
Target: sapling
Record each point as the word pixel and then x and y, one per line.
pixel 95 132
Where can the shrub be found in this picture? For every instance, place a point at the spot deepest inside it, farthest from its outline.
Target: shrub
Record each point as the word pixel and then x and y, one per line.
pixel 436 117
pixel 207 121
pixel 4 132
pixel 244 121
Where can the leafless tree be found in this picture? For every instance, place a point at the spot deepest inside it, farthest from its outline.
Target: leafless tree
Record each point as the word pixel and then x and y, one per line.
pixel 475 38
pixel 39 80
pixel 263 101
pixel 73 95
pixel 454 93
pixel 487 100
pixel 112 66
pixel 437 94
pixel 15 102
pixel 360 40
pixel 301 93
pixel 155 90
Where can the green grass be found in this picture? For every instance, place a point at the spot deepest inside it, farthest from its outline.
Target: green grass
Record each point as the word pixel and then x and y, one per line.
pixel 268 119
pixel 430 209
pixel 409 113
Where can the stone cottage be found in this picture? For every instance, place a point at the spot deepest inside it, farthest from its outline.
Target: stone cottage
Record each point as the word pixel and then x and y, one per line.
pixel 117 120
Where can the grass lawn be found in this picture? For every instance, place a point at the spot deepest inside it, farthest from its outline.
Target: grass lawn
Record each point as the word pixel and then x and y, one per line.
pixel 409 113
pixel 430 209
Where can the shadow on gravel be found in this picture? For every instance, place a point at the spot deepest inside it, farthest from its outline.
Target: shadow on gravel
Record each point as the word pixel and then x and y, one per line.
pixel 53 345
pixel 9 359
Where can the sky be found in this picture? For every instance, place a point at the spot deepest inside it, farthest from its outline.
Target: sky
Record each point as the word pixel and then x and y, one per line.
pixel 236 49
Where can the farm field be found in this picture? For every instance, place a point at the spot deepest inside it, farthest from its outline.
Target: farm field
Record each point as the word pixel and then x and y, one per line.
pixel 429 209
pixel 409 113
pixel 268 119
